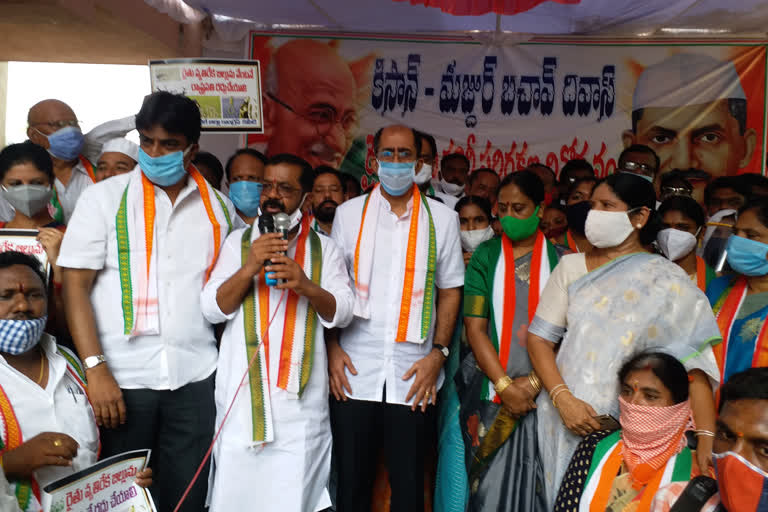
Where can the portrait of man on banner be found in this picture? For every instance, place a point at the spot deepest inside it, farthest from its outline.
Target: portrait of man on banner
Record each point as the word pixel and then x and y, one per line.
pixel 312 100
pixel 691 109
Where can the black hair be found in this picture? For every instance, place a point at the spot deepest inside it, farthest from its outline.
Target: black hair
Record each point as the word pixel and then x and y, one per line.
pixel 556 206
pixel 327 169
pixel 675 178
pixel 573 186
pixel 760 205
pixel 685 205
pixel 528 183
pixel 346 179
pixel 725 182
pixel 10 258
pixel 421 136
pixel 752 182
pixel 455 156
pixel 668 369
pixel 26 153
pixel 244 151
pixel 307 177
pixel 210 161
pixel 640 148
pixel 473 174
pixel 751 384
pixel 636 192
pixel 480 202
pixel 546 168
pixel 736 107
pixel 377 139
pixel 577 164
pixel 177 114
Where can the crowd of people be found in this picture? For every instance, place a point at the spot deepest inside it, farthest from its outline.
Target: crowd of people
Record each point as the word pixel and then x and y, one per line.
pixel 532 342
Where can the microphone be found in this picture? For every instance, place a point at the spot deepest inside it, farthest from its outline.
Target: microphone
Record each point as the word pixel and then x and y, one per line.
pixel 267 225
pixel 282 225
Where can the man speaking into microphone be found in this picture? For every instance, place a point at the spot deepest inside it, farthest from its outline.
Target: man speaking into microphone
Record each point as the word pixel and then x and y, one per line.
pixel 276 294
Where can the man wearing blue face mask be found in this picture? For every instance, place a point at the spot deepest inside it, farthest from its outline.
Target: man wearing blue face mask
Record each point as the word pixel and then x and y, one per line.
pixel 245 174
pixel 53 125
pixel 740 301
pixel 138 250
pixel 403 254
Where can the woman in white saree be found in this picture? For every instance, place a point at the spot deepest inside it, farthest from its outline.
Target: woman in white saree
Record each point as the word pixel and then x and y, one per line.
pixel 599 308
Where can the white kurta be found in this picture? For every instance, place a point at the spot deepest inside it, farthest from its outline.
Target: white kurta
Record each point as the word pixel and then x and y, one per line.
pixel 289 474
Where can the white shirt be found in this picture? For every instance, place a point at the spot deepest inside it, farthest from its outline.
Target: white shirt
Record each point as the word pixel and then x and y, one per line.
pixel 370 344
pixel 185 350
pixel 299 459
pixel 61 407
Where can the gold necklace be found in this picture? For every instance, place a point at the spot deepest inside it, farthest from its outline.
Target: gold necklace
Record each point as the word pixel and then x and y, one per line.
pixel 42 368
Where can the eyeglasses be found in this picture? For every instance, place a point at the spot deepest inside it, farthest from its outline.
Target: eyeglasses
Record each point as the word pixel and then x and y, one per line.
pixel 403 155
pixel 638 168
pixel 283 189
pixel 674 191
pixel 58 125
pixel 323 118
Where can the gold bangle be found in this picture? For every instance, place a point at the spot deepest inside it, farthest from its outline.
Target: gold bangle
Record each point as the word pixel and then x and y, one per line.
pixel 535 382
pixel 502 384
pixel 554 389
pixel 707 433
pixel 557 394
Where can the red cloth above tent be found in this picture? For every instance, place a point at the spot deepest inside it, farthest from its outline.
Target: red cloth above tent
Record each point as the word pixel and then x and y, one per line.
pixel 480 7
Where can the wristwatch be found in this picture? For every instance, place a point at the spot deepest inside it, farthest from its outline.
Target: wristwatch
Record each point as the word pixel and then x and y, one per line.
pixel 442 348
pixel 94 361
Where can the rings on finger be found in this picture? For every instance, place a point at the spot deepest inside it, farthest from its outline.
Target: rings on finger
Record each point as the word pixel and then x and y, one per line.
pixel 57 443
pixel 427 395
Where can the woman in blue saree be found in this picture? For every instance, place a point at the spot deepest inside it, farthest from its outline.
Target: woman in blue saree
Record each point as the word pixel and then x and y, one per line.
pixel 599 308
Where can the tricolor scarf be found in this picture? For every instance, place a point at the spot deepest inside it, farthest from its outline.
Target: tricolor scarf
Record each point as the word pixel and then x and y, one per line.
pixel 136 237
pixel 570 242
pixel 726 308
pixel 299 329
pixel 56 210
pixel 605 466
pixel 27 491
pixel 417 300
pixel 704 274
pixel 503 300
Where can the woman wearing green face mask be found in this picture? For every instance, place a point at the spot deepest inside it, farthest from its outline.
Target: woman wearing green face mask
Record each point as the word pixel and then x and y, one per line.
pixel 502 285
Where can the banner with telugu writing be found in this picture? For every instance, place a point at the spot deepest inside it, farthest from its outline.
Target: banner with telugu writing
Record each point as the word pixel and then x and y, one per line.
pixel 228 92
pixel 107 486
pixel 701 107
pixel 24 241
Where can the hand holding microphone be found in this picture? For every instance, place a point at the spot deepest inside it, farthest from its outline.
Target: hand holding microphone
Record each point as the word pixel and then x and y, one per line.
pixel 269 245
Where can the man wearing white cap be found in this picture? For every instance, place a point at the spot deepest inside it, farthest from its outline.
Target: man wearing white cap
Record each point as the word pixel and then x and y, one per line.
pixel 118 156
pixel 692 111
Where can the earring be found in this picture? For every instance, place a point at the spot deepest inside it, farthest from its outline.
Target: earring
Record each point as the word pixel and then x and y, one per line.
pixel 639 226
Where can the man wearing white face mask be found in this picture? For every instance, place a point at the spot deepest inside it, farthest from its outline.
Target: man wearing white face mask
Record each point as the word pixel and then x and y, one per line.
pixel 54 126
pixel 452 178
pixel 428 157
pixel 403 255
pixel 682 222
pixel 137 252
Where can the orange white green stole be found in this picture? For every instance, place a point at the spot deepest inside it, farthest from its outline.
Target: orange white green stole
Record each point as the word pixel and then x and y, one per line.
pixel 136 237
pixel 299 330
pixel 503 300
pixel 417 299
pixel 57 211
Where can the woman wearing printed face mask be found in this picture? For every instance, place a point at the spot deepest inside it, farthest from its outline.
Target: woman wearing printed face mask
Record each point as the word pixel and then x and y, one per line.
pixel 502 285
pixel 682 222
pixel 625 468
pixel 600 307
pixel 740 301
pixel 576 210
pixel 474 222
pixel 26 176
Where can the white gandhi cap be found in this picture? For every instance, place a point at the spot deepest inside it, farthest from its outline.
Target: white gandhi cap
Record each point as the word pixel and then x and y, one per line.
pixel 687 79
pixel 123 146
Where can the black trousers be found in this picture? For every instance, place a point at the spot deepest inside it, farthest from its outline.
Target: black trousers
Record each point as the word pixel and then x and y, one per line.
pixel 178 427
pixel 361 429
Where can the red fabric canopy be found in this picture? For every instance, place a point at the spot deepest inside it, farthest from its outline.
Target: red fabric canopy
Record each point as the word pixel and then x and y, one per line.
pixel 481 7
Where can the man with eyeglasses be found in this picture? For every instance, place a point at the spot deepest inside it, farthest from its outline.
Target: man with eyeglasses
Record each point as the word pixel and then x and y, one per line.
pixel 403 254
pixel 327 195
pixel 641 161
pixel 53 125
pixel 310 107
pixel 276 445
